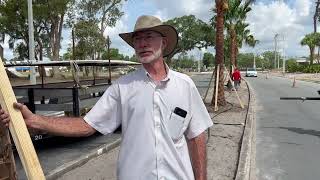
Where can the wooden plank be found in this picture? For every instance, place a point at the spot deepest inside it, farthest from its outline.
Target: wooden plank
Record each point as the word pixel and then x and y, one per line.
pixel 216 91
pixel 234 89
pixel 18 130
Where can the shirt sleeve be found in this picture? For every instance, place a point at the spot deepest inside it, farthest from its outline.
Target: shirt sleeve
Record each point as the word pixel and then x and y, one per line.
pixel 200 119
pixel 105 116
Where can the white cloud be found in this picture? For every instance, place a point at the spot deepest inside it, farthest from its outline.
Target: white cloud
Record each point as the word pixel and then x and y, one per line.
pixel 116 41
pixel 66 41
pixel 200 8
pixel 303 7
pixel 292 23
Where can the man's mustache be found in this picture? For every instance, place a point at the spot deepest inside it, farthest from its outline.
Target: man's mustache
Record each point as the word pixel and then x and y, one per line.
pixel 144 50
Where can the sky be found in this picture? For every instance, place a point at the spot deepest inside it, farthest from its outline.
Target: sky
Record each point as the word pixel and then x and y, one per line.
pixel 291 19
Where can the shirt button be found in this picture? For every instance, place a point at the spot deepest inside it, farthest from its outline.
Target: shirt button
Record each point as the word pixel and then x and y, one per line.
pixel 157 124
pixel 161 161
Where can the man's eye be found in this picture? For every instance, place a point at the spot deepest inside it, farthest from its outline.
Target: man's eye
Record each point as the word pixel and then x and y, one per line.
pixel 149 37
pixel 137 39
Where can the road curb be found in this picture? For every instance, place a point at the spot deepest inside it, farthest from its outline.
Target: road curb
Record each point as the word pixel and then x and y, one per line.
pixel 246 165
pixel 61 170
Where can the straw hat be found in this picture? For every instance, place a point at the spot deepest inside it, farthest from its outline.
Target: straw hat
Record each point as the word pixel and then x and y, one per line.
pixel 151 23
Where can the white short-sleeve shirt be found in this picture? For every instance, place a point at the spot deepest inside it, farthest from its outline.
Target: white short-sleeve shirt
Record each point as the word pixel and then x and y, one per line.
pixel 153 143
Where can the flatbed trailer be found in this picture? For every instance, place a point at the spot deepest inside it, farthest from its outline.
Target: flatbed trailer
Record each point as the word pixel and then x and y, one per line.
pixel 73 98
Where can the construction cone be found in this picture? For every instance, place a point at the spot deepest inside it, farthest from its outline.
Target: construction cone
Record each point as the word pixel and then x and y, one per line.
pixel 294 82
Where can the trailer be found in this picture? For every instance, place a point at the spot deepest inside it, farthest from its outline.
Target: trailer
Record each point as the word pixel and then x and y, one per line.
pixel 71 98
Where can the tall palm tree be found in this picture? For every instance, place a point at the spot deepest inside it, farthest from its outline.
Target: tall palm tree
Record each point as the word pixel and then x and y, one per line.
pixel 236 27
pixel 221 6
pixel 243 36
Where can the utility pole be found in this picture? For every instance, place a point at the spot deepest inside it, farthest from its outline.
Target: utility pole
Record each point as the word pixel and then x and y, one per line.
pixel 275 50
pixel 281 46
pixel 254 60
pixel 284 62
pixel 33 79
pixel 73 45
pixel 108 50
pixel 284 55
pixel 199 62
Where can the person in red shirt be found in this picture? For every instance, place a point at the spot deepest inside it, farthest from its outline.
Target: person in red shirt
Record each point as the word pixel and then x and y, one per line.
pixel 236 77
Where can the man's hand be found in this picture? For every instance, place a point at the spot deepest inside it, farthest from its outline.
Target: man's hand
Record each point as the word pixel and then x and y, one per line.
pixel 4 118
pixel 61 126
pixel 26 113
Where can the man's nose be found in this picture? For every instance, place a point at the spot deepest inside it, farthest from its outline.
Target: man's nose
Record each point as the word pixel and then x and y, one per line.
pixel 142 43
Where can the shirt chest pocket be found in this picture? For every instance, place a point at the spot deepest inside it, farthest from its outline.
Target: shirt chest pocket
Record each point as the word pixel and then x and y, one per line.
pixel 176 126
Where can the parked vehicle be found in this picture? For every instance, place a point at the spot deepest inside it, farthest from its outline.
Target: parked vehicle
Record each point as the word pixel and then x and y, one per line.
pixel 251 72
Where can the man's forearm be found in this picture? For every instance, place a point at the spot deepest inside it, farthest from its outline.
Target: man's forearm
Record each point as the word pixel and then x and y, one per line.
pixel 62 126
pixel 197 149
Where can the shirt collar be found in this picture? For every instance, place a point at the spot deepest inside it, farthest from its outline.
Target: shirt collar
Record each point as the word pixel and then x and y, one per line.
pixel 167 78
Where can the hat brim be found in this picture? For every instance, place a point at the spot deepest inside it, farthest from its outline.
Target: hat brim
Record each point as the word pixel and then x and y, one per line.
pixel 166 30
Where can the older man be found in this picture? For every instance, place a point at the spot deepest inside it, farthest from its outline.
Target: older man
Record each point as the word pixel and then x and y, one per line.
pixel 161 112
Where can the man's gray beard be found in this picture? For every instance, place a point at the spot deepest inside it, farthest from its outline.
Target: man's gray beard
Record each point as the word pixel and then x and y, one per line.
pixel 151 58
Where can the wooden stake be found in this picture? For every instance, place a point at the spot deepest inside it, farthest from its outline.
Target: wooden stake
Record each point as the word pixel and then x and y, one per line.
pixel 217 85
pixel 234 89
pixel 18 130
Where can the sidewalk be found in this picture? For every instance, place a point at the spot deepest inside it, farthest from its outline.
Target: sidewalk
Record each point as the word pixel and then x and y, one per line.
pixel 225 145
pixel 230 139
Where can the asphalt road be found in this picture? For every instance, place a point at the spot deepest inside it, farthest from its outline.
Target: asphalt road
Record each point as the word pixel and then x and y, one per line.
pixel 288 132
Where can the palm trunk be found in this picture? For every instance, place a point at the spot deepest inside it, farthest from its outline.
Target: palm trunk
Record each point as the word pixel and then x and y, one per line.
pixel 233 43
pixel 236 56
pixel 219 53
pixel 233 46
pixel 311 55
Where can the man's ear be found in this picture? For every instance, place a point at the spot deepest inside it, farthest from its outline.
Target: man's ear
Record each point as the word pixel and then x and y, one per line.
pixel 164 42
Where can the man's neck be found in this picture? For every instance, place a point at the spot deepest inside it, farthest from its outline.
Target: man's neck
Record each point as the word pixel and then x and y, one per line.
pixel 156 69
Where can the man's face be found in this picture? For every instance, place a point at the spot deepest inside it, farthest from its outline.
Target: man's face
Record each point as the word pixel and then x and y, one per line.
pixel 148 46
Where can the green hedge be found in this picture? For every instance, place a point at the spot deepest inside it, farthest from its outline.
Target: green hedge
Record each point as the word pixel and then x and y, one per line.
pixel 294 67
pixel 311 69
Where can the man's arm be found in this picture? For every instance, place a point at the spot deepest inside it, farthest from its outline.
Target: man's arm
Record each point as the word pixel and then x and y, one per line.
pixel 197 151
pixel 61 126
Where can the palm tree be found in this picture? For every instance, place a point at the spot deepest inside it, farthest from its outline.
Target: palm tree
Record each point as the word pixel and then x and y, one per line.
pixel 236 27
pixel 221 6
pixel 243 36
pixel 311 40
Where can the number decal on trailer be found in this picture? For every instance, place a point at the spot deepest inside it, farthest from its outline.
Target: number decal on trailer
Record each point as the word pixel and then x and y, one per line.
pixel 37 137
